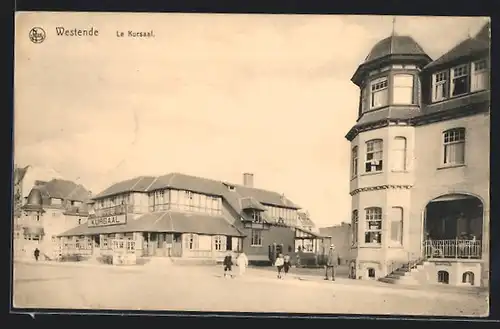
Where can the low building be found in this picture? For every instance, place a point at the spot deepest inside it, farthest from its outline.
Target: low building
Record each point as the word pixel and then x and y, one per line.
pixel 51 208
pixel 341 237
pixel 179 215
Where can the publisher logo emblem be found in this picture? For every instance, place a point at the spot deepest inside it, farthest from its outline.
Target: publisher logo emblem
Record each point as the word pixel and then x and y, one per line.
pixel 37 35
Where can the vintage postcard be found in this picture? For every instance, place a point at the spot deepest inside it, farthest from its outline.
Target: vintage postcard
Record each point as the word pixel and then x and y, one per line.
pixel 317 164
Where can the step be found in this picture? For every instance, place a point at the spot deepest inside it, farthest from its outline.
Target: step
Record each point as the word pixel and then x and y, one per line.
pixel 392 280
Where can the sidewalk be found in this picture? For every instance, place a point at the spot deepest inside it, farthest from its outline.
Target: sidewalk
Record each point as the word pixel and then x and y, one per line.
pixel 374 284
pixel 84 264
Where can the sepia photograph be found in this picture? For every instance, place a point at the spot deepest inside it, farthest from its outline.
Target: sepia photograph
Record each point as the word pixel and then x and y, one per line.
pixel 257 163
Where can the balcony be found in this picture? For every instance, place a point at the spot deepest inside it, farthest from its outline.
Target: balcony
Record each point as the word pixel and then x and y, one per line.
pixel 452 249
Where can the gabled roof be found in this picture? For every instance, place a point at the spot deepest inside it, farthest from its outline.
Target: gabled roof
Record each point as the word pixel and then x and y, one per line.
pixel 19 174
pixel 166 221
pixel 251 203
pixel 470 46
pixel 137 184
pixel 64 189
pixel 201 185
pixel 305 219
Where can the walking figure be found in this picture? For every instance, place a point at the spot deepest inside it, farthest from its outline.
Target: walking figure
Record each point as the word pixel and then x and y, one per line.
pixel 36 253
pixel 286 264
pixel 242 262
pixel 228 264
pixel 279 263
pixel 332 262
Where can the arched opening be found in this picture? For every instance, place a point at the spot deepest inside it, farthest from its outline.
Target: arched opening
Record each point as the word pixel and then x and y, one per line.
pixel 371 273
pixel 453 226
pixel 468 277
pixel 443 277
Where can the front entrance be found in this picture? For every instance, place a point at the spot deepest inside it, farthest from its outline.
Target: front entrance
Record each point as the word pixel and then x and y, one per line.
pixel 453 227
pixel 96 245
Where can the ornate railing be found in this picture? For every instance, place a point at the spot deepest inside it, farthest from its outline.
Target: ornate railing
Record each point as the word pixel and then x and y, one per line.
pixel 463 249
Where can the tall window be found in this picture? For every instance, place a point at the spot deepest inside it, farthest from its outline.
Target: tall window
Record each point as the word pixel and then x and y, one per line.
pixel 398 154
pixel 480 75
pixel 440 86
pixel 460 80
pixel 354 224
pixel 403 89
pixel 454 146
pixel 354 156
pixel 397 225
pixel 379 93
pixel 256 238
pixel 373 232
pixel 374 155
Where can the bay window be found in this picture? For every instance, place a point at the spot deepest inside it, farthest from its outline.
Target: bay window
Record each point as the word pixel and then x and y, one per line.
pixel 374 155
pixel 373 231
pixel 454 146
pixel 403 89
pixel 363 99
pixel 379 93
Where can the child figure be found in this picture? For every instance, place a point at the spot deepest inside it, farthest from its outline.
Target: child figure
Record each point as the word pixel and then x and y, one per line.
pixel 279 263
pixel 286 264
pixel 228 263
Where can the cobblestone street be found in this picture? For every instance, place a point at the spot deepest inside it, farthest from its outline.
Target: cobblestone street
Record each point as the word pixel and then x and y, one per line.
pixel 202 288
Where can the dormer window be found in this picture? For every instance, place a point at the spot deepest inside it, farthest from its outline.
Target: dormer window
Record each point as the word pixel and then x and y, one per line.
pixel 230 187
pixel 459 80
pixel 440 86
pixel 480 75
pixel 379 93
pixel 256 216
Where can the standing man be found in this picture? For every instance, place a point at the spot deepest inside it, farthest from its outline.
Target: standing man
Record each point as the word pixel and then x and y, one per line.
pixel 332 262
pixel 36 253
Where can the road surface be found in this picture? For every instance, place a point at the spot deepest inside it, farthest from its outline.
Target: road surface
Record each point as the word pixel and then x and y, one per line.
pixel 191 288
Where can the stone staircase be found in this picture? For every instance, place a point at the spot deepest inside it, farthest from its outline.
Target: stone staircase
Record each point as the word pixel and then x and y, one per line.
pixel 411 273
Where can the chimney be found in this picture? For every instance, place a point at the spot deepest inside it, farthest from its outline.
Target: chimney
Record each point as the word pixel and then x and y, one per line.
pixel 248 179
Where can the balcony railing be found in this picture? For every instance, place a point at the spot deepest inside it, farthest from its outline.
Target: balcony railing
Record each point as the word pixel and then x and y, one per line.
pixel 463 249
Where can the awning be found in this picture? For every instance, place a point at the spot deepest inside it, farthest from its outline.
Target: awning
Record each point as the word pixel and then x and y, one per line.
pixel 168 222
pixel 30 230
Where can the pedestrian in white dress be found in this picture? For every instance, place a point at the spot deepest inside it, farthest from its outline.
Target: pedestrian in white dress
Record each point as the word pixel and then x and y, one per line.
pixel 242 263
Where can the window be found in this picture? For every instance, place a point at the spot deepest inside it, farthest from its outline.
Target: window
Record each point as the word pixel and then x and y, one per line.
pixel 454 146
pixel 468 277
pixel 374 154
pixel 218 242
pixel 398 154
pixel 379 93
pixel 397 225
pixel 354 224
pixel 256 238
pixel 354 156
pixel 480 75
pixel 373 232
pixel 403 89
pixel 256 216
pixel 191 241
pixel 443 277
pixel 189 195
pixel 459 80
pixel 440 86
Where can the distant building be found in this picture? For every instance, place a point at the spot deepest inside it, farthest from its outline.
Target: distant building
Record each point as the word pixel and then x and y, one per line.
pixel 420 170
pixel 341 237
pixel 179 215
pixel 51 208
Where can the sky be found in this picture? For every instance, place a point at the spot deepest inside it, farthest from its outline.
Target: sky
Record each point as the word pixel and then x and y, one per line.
pixel 211 95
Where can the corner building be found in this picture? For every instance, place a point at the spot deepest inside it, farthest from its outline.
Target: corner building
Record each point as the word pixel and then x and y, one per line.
pixel 419 176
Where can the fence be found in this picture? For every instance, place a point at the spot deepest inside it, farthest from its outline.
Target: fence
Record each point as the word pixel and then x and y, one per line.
pixel 463 249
